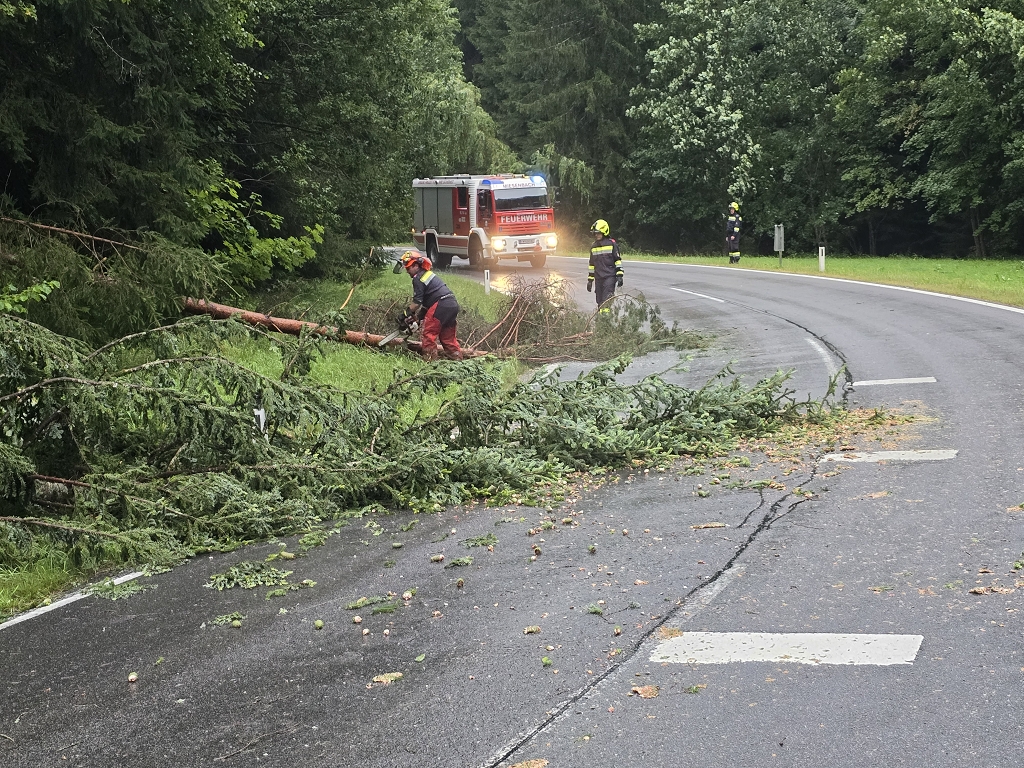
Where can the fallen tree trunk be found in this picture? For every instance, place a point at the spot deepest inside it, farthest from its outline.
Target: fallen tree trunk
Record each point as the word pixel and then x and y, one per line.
pixel 295 327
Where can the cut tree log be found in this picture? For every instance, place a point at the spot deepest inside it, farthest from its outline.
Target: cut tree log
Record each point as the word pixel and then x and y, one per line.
pixel 295 327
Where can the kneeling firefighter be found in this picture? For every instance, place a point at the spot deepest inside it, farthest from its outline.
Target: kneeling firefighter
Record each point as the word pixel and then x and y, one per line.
pixel 433 306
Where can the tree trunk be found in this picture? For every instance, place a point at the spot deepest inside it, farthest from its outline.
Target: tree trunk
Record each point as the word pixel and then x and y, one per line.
pixel 295 327
pixel 979 237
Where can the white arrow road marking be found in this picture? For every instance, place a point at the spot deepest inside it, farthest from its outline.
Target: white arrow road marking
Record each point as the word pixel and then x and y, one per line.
pixel 62 602
pixel 795 647
pixel 876 456
pixel 884 382
pixel 694 293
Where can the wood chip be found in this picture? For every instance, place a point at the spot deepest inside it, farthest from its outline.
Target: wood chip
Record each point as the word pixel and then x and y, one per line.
pixel 645 691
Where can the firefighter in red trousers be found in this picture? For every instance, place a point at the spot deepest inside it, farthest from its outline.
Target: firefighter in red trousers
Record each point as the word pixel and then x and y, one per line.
pixel 434 306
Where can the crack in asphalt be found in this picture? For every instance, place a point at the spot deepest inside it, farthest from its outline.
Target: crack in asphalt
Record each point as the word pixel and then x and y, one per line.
pixel 556 712
pixel 848 386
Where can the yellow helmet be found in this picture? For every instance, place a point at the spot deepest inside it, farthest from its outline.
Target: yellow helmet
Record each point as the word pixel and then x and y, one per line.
pixel 734 205
pixel 602 227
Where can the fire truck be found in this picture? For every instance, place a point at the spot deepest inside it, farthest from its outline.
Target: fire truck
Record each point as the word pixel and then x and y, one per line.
pixel 484 219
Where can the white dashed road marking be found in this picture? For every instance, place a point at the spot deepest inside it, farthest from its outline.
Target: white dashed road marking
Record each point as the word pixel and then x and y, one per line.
pixel 876 456
pixel 62 602
pixel 694 293
pixel 885 382
pixel 795 648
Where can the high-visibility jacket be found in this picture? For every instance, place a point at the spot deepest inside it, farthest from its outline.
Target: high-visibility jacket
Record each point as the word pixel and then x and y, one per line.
pixel 427 290
pixel 732 226
pixel 604 259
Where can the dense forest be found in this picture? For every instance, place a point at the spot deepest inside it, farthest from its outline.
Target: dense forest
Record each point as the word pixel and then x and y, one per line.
pixel 229 141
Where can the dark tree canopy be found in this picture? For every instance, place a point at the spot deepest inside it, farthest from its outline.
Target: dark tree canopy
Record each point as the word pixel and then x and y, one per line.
pixel 242 140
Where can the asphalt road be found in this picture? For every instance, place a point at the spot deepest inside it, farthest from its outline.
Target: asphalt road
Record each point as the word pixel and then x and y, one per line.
pixel 888 549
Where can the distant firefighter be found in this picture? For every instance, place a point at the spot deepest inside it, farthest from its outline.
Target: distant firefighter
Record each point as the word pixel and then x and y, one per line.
pixel 733 222
pixel 605 269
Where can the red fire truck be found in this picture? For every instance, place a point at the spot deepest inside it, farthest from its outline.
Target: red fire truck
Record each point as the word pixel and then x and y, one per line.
pixel 484 219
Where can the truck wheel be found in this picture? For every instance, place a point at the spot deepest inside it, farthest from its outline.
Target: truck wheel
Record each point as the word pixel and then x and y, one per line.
pixel 439 260
pixel 476 254
pixel 538 261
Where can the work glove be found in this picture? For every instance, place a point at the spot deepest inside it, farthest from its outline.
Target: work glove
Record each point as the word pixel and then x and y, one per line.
pixel 590 286
pixel 618 283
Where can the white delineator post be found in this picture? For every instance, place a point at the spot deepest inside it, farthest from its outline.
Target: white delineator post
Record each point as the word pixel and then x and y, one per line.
pixel 821 258
pixel 487 282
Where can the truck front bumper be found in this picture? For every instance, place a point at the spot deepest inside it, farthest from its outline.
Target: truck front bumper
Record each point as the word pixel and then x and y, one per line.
pixel 524 247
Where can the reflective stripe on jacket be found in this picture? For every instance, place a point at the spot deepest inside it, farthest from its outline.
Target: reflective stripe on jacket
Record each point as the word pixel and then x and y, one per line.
pixel 428 289
pixel 604 259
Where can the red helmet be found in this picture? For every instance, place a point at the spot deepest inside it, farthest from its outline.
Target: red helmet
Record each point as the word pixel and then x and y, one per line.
pixel 409 258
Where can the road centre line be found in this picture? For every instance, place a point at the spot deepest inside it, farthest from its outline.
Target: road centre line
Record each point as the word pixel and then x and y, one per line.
pixel 876 456
pixel 694 293
pixel 62 602
pixel 823 353
pixel 886 382
pixel 788 648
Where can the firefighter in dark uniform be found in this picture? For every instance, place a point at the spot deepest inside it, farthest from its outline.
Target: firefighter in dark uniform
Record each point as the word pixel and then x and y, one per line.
pixel 433 306
pixel 733 222
pixel 605 264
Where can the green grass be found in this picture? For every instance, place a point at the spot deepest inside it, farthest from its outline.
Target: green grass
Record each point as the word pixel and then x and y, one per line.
pixel 1000 281
pixel 21 590
pixel 326 295
pixel 354 369
pixel 259 356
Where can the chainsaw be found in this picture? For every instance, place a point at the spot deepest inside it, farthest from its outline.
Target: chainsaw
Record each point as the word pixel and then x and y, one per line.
pixel 407 326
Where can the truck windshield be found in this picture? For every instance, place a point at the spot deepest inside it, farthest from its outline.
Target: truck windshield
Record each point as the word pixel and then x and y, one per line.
pixel 520 199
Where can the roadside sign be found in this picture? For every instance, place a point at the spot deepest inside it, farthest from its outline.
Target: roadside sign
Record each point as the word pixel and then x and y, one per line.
pixel 780 238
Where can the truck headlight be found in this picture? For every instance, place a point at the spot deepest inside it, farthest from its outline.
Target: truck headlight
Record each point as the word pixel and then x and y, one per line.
pixel 498 243
pixel 552 241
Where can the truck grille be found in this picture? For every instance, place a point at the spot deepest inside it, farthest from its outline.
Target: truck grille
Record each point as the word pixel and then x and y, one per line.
pixel 524 228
